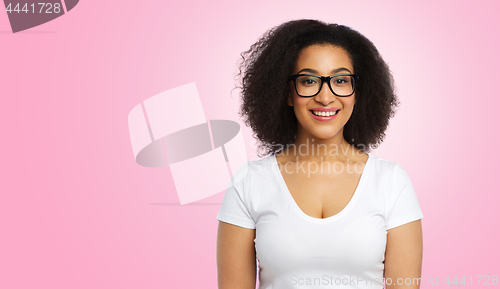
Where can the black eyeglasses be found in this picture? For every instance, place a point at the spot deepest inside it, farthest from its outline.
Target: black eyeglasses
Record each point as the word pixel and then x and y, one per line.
pixel 309 85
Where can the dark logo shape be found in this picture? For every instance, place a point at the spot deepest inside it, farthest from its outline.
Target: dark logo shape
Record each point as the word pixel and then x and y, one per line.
pixel 28 14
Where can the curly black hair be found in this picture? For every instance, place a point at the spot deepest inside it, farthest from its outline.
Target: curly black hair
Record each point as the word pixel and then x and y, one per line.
pixel 265 69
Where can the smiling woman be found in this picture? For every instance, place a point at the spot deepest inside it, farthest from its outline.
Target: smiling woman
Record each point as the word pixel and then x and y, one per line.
pixel 333 214
pixel 310 100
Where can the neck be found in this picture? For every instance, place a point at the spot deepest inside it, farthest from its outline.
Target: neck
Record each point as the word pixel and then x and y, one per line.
pixel 308 147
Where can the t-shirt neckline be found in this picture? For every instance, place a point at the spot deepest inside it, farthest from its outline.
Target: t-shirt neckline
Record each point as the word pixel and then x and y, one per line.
pixel 296 207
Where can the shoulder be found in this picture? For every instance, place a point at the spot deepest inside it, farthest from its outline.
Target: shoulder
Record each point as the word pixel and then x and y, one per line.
pixel 388 173
pixel 391 176
pixel 252 170
pixel 253 181
pixel 382 165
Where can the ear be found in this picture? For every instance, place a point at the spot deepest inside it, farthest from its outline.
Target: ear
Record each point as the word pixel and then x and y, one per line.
pixel 290 100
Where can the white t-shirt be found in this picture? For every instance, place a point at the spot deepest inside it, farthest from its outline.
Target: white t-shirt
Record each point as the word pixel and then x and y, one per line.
pixel 295 250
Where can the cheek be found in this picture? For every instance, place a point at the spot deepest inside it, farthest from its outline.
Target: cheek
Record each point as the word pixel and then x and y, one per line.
pixel 300 106
pixel 300 102
pixel 349 102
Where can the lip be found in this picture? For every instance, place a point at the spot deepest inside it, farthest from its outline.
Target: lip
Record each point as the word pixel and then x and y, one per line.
pixel 324 118
pixel 326 109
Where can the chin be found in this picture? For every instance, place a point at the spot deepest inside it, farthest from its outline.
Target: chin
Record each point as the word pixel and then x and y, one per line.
pixel 324 135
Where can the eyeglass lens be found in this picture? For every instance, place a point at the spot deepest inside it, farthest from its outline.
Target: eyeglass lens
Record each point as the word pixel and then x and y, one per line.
pixel 308 85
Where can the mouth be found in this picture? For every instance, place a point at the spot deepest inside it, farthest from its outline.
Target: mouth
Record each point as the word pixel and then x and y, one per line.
pixel 324 115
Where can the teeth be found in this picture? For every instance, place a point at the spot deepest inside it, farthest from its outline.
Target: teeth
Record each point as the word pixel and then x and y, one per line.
pixel 330 113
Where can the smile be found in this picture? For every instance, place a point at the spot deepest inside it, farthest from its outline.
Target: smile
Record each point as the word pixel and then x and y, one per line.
pixel 324 115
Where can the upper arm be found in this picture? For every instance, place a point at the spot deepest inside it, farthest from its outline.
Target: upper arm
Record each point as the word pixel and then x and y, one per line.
pixel 403 256
pixel 236 259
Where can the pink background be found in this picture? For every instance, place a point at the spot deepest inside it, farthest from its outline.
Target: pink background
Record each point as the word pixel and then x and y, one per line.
pixel 78 212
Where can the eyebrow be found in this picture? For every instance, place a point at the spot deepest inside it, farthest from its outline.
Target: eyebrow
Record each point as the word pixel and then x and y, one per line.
pixel 333 71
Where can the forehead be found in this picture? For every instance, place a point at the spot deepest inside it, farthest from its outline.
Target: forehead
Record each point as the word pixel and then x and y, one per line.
pixel 323 58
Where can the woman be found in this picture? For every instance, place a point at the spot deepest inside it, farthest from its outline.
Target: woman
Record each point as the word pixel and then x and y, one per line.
pixel 318 211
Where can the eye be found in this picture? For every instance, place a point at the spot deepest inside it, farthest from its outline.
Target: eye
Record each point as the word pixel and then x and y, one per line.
pixel 307 80
pixel 341 80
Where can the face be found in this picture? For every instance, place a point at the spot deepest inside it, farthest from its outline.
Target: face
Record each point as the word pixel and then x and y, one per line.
pixel 322 60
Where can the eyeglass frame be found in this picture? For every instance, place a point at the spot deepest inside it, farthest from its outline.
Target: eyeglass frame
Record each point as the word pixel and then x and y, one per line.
pixel 323 80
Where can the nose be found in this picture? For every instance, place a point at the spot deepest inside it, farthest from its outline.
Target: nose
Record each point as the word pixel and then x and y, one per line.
pixel 325 95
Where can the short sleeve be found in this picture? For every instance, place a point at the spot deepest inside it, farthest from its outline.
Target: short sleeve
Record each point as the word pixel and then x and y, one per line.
pixel 403 206
pixel 234 208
